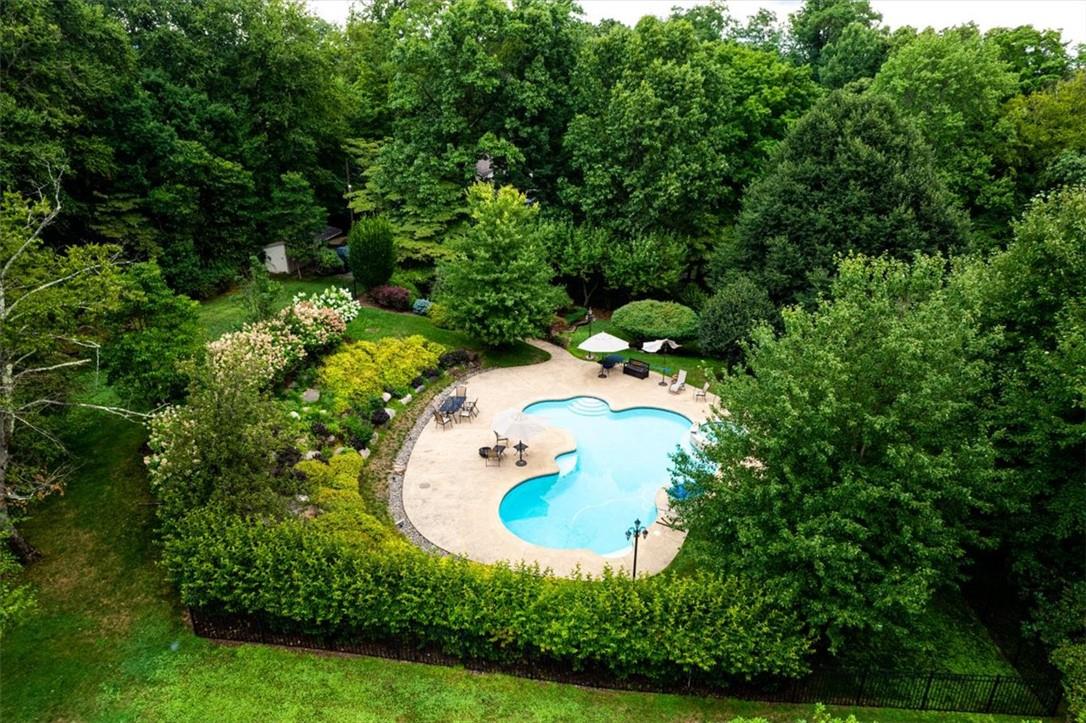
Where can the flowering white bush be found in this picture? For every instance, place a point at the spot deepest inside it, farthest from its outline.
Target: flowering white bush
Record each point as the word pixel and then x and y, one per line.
pixel 316 326
pixel 265 350
pixel 334 297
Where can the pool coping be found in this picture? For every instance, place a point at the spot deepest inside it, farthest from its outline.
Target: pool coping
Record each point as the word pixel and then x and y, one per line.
pixel 446 506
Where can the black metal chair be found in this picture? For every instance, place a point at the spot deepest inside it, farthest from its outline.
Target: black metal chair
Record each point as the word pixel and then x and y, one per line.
pixel 442 418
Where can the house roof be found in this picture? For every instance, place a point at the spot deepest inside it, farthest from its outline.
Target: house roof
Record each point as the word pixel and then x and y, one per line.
pixel 329 233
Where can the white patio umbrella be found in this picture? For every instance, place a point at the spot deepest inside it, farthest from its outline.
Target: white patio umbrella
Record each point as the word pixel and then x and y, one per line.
pixel 664 345
pixel 603 343
pixel 515 424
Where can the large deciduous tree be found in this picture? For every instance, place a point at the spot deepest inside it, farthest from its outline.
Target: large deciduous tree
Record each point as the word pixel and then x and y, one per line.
pixel 669 126
pixel 1034 292
pixel 853 175
pixel 52 310
pixel 820 23
pixel 477 80
pixel 498 288
pixel 953 85
pixel 152 331
pixel 845 473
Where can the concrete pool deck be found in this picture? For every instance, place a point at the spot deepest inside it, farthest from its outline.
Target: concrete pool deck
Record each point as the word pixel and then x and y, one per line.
pixel 451 497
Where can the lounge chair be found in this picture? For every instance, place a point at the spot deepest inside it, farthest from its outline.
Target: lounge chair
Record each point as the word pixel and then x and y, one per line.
pixel 701 393
pixel 679 384
pixel 442 418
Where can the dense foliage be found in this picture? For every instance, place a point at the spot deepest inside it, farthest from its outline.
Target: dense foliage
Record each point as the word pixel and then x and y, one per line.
pixel 680 158
pixel 731 315
pixel 853 176
pixel 324 577
pixel 855 460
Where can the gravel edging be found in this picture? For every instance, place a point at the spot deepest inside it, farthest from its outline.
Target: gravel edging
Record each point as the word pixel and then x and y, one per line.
pixel 399 466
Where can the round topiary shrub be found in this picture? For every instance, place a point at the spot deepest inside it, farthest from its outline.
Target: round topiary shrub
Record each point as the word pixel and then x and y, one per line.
pixel 649 319
pixel 731 314
pixel 421 306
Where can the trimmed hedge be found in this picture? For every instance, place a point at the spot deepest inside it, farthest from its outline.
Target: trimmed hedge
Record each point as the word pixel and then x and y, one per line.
pixel 665 628
pixel 648 319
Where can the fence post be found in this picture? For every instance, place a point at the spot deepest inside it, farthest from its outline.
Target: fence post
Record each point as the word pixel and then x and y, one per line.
pixel 860 692
pixel 927 689
pixel 992 692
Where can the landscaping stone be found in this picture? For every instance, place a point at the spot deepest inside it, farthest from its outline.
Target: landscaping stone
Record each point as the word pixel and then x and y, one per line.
pixel 364 452
pixel 390 412
pixel 419 388
pixel 312 454
pixel 311 395
pixel 386 397
pixel 339 450
pixel 407 398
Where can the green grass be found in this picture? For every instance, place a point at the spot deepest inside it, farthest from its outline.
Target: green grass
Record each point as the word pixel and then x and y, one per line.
pixel 372 324
pixel 695 366
pixel 107 641
pixel 227 313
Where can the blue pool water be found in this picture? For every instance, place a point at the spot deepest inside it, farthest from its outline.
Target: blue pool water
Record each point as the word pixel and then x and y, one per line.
pixel 610 480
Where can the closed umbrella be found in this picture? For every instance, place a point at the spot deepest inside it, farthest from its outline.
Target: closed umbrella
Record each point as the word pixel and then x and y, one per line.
pixel 515 424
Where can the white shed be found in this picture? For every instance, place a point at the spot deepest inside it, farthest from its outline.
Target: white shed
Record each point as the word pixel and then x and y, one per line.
pixel 275 258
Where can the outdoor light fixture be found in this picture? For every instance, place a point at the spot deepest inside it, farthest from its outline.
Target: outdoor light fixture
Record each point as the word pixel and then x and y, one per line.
pixel 636 532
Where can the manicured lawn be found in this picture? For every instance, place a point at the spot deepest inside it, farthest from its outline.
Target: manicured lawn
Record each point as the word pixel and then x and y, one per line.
pixel 108 642
pixel 695 366
pixel 374 323
pixel 226 313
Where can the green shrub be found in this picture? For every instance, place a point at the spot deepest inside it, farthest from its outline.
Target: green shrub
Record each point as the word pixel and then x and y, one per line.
pixel 303 572
pixel 362 370
pixel 439 315
pixel 1070 658
pixel 656 320
pixel 574 314
pixel 328 262
pixel 731 314
pixel 372 252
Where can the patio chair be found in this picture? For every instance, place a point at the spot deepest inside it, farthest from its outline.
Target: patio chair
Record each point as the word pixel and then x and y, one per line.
pixel 465 412
pixel 442 418
pixel 498 439
pixel 493 455
pixel 461 391
pixel 701 393
pixel 474 406
pixel 679 384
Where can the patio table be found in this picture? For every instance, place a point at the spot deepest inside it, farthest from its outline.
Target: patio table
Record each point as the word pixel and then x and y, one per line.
pixel 452 405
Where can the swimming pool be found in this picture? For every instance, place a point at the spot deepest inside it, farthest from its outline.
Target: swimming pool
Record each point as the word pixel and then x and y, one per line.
pixel 611 479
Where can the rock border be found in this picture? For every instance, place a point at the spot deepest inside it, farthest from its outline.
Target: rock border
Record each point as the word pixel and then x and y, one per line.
pixel 399 466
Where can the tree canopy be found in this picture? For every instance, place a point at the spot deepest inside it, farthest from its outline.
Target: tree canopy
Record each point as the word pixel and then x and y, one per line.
pixel 853 176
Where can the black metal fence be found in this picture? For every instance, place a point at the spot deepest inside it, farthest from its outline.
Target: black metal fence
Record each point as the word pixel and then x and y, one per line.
pixel 934 691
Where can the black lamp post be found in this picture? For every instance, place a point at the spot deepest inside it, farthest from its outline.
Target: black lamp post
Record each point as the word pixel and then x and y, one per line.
pixel 636 532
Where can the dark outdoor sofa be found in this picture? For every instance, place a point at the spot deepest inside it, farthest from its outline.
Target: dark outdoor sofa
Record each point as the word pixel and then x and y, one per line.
pixel 636 368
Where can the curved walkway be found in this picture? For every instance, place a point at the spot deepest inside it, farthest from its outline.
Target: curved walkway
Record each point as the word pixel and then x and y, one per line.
pixel 451 497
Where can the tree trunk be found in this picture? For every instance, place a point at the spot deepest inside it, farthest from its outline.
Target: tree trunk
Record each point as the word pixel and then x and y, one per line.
pixel 23 550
